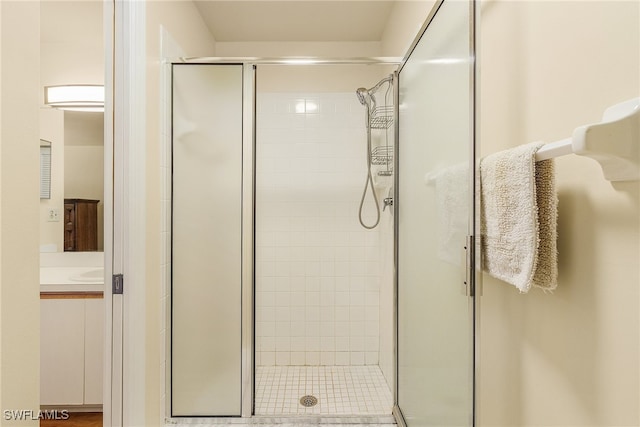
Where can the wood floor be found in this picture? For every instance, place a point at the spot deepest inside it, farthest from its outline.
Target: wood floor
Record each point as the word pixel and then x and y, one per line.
pixel 76 419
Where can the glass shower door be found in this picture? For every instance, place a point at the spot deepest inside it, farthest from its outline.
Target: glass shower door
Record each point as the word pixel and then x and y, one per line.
pixel 206 240
pixel 435 216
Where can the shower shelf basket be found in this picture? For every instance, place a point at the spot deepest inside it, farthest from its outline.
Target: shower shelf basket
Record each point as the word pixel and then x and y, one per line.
pixel 382 156
pixel 381 117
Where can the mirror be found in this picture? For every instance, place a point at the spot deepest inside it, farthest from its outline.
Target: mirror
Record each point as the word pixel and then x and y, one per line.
pixel 84 173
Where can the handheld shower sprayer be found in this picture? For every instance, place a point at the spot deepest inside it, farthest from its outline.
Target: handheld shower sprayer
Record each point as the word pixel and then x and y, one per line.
pixel 366 97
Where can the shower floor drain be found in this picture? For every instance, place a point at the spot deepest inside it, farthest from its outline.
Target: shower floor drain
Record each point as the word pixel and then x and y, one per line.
pixel 308 401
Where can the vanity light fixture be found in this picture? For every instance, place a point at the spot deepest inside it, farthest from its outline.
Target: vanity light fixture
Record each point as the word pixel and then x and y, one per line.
pixel 75 97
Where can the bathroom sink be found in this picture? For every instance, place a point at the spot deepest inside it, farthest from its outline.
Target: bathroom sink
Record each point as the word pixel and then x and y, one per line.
pixel 95 276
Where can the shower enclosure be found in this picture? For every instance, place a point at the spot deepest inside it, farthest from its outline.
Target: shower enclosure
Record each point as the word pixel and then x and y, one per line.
pixel 295 292
pixel 321 324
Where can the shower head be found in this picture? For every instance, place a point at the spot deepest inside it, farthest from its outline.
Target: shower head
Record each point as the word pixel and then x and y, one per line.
pixel 362 93
pixel 366 96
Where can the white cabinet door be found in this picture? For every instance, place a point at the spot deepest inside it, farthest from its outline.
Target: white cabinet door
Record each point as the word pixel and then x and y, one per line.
pixel 61 351
pixel 93 351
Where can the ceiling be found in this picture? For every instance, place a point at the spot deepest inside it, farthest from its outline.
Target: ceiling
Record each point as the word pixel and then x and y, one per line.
pixel 304 21
pixel 239 20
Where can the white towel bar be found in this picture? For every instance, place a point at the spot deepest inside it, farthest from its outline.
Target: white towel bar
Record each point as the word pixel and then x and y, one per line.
pixel 555 149
pixel 614 142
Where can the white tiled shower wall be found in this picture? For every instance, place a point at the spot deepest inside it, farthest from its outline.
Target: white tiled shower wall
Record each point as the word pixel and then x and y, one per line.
pixel 317 269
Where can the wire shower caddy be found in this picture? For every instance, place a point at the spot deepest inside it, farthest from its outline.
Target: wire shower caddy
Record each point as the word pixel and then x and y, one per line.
pixel 382 118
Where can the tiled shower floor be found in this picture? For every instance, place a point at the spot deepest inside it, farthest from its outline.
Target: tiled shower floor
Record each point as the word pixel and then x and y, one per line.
pixel 340 390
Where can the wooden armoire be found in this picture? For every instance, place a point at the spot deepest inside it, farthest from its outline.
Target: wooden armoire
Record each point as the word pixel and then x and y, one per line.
pixel 80 225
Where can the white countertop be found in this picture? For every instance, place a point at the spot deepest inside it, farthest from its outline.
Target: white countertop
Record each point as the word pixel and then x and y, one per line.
pixel 65 279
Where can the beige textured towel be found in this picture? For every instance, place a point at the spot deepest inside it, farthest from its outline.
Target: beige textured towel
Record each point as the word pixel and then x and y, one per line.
pixel 519 218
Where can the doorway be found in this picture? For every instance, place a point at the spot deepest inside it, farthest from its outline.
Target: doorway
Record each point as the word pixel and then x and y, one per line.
pixel 72 238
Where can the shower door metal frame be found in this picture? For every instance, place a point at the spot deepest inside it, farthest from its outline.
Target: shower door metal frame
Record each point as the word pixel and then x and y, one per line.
pixel 247 242
pixel 248 238
pixel 248 253
pixel 248 212
pixel 473 274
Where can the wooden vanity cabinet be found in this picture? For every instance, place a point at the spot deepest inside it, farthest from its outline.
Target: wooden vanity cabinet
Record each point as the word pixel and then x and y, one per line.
pixel 80 225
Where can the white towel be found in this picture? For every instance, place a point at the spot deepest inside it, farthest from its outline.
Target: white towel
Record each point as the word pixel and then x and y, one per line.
pixel 519 218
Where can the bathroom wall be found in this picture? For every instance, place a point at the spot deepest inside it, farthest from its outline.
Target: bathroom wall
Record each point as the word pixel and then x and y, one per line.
pixel 323 151
pixel 171 26
pixel 19 207
pixel 406 19
pixel 317 269
pixel 404 22
pixel 299 49
pixel 570 357
pixel 65 56
pixel 84 132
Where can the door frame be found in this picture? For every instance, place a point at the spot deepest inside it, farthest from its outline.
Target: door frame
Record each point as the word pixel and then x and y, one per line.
pixel 124 389
pixel 107 398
